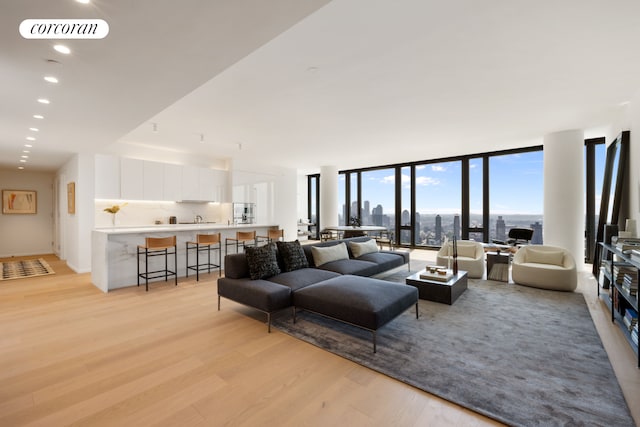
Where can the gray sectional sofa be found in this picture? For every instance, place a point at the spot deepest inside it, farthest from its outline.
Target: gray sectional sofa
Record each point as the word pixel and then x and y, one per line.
pixel 329 283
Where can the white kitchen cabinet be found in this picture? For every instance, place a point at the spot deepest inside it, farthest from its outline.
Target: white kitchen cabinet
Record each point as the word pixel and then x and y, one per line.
pixel 153 181
pixel 107 177
pixel 190 183
pixel 221 179
pixel 131 179
pixel 207 185
pixel 172 183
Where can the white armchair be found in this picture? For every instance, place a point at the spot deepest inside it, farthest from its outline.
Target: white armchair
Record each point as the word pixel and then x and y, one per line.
pixel 546 267
pixel 470 257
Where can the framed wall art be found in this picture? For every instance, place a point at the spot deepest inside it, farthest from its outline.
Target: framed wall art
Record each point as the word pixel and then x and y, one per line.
pixel 19 202
pixel 71 198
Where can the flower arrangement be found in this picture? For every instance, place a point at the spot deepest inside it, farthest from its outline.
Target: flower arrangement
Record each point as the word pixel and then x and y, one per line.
pixel 354 221
pixel 115 208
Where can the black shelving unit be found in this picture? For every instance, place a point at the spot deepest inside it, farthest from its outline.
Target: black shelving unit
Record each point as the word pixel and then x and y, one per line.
pixel 618 299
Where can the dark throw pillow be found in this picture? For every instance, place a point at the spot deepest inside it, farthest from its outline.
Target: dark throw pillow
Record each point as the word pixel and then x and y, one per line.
pixel 292 255
pixel 262 261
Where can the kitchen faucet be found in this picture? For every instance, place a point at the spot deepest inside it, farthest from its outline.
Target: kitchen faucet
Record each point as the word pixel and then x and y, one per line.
pixel 197 219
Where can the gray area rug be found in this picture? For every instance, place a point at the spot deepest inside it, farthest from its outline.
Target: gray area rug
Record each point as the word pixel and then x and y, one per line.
pixel 522 356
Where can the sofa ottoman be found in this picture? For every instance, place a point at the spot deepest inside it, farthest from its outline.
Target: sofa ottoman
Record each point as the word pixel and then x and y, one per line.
pixel 360 301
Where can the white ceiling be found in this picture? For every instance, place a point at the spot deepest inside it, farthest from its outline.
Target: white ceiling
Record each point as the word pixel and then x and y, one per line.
pixel 355 83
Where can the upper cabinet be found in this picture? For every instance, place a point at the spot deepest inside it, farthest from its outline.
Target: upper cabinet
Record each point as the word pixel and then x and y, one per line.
pixel 222 181
pixel 153 181
pixel 208 185
pixel 131 179
pixel 172 182
pixel 203 184
pixel 134 179
pixel 107 177
pixel 190 183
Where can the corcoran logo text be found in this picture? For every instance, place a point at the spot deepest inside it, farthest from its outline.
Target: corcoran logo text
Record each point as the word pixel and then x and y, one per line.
pixel 64 29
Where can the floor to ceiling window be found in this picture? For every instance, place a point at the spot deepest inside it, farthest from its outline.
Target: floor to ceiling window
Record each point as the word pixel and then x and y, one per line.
pixel 313 204
pixel 342 199
pixel 476 220
pixel 438 202
pixel 516 194
pixel 378 192
pixel 478 197
pixel 406 206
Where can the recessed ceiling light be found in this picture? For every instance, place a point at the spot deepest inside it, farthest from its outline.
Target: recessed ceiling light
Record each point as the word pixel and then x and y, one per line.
pixel 20 167
pixel 62 49
pixel 43 101
pixel 34 129
pixel 23 161
pixel 38 116
pixel 24 157
pixel 30 138
pixel 83 1
pixel 51 79
pixel 26 151
pixel 28 145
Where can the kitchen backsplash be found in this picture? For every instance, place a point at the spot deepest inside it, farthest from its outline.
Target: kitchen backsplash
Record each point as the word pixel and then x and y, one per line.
pixel 137 213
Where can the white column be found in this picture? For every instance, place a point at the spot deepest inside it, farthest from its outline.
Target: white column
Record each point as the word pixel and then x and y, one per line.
pixel 328 196
pixel 564 209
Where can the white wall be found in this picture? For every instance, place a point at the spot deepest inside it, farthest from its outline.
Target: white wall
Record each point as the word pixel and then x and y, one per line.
pixel 75 229
pixel 28 234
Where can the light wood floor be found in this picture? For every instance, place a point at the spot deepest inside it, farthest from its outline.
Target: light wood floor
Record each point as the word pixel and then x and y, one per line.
pixel 71 355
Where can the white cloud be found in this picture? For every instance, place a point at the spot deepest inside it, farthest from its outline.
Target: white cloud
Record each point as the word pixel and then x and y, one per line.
pixel 438 168
pixel 427 180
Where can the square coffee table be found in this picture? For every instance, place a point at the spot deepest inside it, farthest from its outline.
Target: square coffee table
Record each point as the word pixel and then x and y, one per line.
pixel 439 291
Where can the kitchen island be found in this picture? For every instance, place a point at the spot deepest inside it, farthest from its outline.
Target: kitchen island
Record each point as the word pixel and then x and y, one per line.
pixel 114 249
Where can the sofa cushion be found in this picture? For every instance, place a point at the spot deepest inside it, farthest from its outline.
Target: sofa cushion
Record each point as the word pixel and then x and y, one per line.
pixel 369 303
pixel 302 277
pixel 293 257
pixel 262 261
pixel 384 260
pixel 358 249
pixel 352 266
pixel 544 257
pixel 235 266
pixel 323 255
pixel 261 294
pixel 468 251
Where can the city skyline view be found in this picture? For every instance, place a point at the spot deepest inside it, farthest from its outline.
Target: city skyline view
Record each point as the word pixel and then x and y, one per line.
pixel 516 198
pixel 438 185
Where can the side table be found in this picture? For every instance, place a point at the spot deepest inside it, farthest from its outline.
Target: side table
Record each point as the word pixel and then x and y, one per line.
pixel 498 266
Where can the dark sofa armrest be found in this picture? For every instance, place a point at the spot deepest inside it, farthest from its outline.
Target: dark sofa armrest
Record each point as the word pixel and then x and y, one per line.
pixel 261 294
pixel 405 255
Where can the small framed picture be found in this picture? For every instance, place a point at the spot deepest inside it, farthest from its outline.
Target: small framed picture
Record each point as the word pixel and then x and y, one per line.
pixel 71 198
pixel 19 202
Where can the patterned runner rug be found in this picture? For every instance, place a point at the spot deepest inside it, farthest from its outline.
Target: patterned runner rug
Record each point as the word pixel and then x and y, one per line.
pixel 27 268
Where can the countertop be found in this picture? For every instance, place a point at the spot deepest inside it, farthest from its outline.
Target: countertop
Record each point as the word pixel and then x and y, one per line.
pixel 158 228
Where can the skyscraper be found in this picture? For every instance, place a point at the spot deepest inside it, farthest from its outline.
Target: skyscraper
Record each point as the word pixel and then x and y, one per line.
pixel 376 215
pixel 536 239
pixel 365 215
pixel 456 226
pixel 438 229
pixel 500 229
